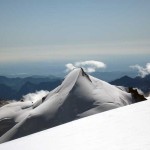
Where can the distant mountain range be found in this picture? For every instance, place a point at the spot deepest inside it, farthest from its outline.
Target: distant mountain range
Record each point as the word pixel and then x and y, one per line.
pixel 15 88
pixel 137 82
pixel 113 75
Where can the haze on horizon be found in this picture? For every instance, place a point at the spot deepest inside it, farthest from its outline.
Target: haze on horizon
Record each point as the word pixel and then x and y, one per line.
pixel 35 33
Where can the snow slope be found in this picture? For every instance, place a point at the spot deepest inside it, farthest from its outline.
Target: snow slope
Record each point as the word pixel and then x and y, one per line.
pixel 78 96
pixel 126 128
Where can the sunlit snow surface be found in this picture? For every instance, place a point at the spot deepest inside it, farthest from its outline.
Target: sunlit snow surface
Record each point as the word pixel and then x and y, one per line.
pixel 78 96
pixel 126 128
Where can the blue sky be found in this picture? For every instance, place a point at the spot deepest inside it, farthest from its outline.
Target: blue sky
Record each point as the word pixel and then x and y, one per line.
pixel 48 31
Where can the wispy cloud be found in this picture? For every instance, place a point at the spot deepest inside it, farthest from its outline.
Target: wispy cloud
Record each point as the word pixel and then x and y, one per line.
pixel 69 67
pixel 88 66
pixel 142 71
pixel 35 96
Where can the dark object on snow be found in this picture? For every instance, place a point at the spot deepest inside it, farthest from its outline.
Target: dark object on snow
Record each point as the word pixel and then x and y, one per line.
pixel 137 97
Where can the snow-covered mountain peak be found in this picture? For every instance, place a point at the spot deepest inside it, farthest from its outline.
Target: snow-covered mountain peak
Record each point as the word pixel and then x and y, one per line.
pixel 75 74
pixel 78 96
pixel 71 81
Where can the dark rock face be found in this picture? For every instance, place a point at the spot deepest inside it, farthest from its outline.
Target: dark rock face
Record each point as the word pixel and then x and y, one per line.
pixel 137 97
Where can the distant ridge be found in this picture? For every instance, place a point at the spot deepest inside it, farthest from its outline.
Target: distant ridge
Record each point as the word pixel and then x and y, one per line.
pixel 137 82
pixel 15 88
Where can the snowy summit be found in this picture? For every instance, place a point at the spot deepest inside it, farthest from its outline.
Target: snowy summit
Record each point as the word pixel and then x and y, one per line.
pixel 78 96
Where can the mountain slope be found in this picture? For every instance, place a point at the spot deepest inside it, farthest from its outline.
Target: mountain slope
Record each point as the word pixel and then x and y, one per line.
pixel 78 96
pixel 17 83
pixel 126 128
pixel 15 88
pixel 6 92
pixel 137 82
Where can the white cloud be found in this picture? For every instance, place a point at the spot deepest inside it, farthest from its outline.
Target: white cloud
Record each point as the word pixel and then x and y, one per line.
pixel 69 67
pixel 35 96
pixel 88 66
pixel 141 70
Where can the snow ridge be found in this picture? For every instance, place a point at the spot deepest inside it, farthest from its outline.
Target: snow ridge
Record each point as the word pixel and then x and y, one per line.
pixel 126 128
pixel 78 96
